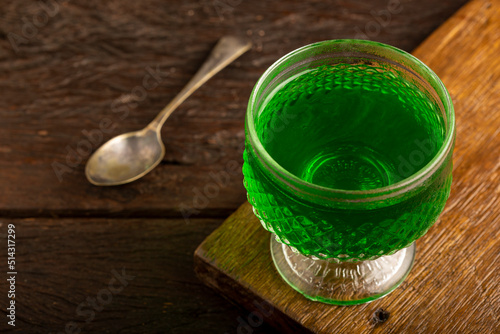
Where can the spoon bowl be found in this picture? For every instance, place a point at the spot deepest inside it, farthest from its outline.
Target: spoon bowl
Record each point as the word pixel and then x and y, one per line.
pixel 125 158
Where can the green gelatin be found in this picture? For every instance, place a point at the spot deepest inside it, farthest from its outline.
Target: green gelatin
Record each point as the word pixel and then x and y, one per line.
pixel 350 127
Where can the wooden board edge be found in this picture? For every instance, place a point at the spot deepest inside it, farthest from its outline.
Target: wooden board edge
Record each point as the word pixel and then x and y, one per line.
pixel 232 290
pixel 259 309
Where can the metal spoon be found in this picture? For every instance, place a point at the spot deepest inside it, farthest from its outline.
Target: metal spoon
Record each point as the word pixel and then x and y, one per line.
pixel 132 155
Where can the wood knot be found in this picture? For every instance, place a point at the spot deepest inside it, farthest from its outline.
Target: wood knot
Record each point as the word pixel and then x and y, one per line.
pixel 380 316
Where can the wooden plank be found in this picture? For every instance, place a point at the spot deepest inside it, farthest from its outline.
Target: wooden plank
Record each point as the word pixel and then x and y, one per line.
pixel 62 262
pixel 86 63
pixel 453 287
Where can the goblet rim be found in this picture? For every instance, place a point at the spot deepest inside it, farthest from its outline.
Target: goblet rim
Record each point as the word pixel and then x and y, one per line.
pixel 401 187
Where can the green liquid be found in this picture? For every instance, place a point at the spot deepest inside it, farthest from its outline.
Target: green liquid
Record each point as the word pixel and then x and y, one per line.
pixel 353 128
pixel 355 131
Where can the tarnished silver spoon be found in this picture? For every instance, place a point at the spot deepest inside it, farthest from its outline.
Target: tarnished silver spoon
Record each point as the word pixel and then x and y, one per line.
pixel 132 155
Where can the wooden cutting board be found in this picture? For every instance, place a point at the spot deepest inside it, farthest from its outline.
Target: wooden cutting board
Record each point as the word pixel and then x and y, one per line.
pixel 454 284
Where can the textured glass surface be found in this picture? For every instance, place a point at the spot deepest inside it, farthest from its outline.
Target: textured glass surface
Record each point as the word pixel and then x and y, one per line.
pixel 356 124
pixel 342 233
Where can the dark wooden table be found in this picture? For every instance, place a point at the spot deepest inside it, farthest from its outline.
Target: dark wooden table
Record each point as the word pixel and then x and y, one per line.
pixel 76 73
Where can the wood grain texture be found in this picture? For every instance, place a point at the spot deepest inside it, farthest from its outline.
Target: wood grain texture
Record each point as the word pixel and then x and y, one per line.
pixel 453 286
pixel 62 262
pixel 86 62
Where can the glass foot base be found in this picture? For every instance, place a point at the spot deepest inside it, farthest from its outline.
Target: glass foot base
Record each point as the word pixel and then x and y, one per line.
pixel 342 283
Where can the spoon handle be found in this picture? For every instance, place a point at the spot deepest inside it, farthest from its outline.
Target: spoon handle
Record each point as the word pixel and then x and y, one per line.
pixel 227 49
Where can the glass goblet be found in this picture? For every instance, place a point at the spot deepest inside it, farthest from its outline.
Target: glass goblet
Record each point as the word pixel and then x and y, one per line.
pixel 348 160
